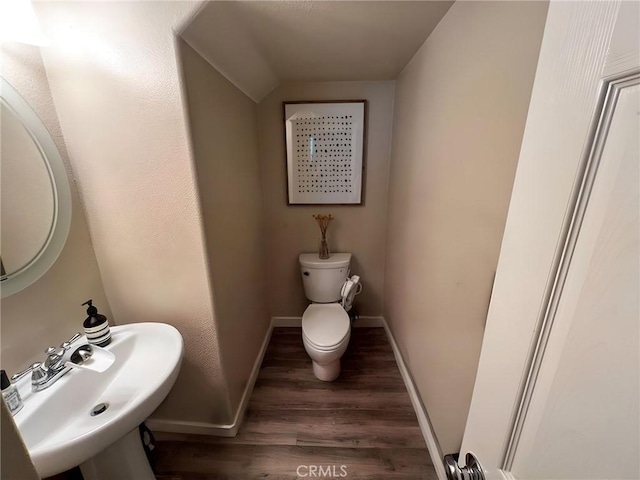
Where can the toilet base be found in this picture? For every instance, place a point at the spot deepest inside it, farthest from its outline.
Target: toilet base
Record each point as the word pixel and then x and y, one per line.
pixel 328 372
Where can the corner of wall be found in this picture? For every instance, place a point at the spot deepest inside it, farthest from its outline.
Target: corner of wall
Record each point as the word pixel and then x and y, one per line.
pixel 224 145
pixel 456 142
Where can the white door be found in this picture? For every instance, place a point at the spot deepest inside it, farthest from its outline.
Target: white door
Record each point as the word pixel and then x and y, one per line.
pixel 557 394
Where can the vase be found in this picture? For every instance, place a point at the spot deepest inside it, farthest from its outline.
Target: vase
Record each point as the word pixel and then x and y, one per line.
pixel 323 249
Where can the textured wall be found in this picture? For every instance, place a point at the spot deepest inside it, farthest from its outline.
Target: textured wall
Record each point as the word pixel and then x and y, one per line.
pixel 49 311
pixel 115 80
pixel 461 106
pixel 343 40
pixel 224 133
pixel 291 230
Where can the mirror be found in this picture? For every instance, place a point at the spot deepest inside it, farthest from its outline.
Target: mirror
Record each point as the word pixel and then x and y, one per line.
pixel 35 198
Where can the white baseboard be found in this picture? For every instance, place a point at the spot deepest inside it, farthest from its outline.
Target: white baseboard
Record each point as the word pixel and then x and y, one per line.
pixel 297 322
pixel 369 322
pixel 197 428
pixel 286 321
pixel 230 430
pixel 423 418
pixel 218 430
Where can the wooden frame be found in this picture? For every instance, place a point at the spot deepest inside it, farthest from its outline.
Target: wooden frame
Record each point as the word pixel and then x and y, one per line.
pixel 325 151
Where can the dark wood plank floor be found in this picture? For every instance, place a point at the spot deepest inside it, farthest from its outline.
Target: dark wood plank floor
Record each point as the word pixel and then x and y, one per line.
pixel 361 426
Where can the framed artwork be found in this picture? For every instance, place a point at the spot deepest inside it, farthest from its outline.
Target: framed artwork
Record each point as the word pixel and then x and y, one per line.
pixel 325 143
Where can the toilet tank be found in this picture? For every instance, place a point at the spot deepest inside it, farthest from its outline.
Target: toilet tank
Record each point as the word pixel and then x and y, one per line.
pixel 323 279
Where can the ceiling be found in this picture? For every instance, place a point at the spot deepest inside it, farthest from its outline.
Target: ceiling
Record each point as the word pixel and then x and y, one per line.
pixel 259 44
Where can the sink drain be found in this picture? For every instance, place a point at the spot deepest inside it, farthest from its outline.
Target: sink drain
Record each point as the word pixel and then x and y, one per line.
pixel 98 409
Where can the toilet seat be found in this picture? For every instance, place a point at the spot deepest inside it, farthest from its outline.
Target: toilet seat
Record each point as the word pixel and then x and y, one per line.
pixel 325 326
pixel 322 349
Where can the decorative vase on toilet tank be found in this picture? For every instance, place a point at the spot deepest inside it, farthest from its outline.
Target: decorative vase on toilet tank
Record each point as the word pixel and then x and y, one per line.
pixel 323 223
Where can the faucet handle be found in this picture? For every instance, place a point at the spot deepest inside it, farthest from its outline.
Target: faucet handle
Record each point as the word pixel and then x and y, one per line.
pixel 53 357
pixel 21 374
pixel 66 345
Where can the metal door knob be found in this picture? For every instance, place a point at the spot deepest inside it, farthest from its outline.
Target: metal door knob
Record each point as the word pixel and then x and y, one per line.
pixel 472 471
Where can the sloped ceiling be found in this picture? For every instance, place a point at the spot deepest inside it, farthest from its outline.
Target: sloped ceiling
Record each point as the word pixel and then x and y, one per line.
pixel 258 44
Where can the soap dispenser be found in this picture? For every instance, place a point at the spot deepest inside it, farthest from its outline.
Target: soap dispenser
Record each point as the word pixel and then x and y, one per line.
pixel 96 326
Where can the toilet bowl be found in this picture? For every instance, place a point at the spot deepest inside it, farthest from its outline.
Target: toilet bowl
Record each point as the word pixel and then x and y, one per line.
pixel 326 325
pixel 326 331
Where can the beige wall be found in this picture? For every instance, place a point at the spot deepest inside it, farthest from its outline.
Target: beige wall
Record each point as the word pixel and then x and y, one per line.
pixel 115 80
pixel 342 40
pixel 224 133
pixel 461 106
pixel 291 230
pixel 48 312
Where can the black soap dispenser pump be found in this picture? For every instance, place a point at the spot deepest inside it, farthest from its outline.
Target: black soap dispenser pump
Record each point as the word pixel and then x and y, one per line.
pixel 96 326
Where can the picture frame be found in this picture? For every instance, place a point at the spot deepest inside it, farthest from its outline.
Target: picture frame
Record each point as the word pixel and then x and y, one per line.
pixel 325 151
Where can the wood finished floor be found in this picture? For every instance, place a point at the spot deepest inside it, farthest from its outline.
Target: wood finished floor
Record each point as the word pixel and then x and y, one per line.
pixel 364 420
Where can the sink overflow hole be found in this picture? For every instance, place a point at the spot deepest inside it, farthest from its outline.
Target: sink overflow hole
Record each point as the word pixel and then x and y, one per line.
pixel 98 409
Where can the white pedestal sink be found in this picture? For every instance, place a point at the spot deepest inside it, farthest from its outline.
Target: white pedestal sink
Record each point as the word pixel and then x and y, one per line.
pixel 56 423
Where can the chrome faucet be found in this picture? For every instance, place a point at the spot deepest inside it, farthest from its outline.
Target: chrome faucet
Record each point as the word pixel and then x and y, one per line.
pixel 44 374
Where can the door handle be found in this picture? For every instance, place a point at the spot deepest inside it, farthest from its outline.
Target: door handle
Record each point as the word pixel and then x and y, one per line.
pixel 473 470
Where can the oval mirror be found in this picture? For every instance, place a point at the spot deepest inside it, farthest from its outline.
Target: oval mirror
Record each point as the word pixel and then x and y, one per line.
pixel 35 198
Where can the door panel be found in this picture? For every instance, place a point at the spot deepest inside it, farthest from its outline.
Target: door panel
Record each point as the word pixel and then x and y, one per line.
pixel 582 421
pixel 556 393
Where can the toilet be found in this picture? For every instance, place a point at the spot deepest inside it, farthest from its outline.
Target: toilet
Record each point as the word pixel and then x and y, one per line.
pixel 326 326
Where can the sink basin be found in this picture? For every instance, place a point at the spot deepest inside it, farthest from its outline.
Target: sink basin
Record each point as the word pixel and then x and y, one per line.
pixel 56 424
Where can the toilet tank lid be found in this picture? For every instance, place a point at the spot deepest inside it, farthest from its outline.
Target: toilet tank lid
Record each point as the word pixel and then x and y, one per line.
pixel 335 260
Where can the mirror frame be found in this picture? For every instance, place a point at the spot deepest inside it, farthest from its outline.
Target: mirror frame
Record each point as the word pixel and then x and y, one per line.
pixel 51 249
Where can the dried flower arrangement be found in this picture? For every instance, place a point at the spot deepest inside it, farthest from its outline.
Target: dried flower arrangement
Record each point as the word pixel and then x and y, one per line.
pixel 323 223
